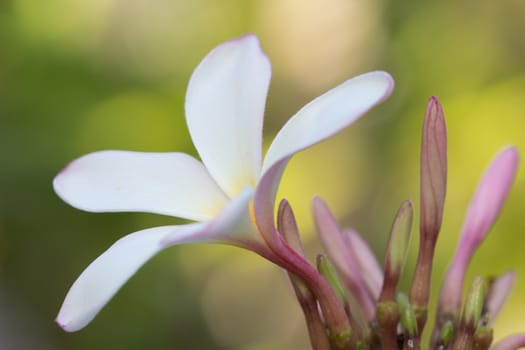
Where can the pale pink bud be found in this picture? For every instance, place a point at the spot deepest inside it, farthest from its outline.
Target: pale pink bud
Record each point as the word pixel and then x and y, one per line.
pixel 498 293
pixel 366 260
pixel 343 259
pixel 481 215
pixel 433 189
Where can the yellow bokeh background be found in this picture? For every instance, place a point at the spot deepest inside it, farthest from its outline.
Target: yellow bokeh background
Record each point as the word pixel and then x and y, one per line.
pixel 81 76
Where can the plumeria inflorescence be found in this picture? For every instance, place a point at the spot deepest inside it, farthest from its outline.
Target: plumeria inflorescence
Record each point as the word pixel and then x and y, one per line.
pixel 349 301
pixel 381 316
pixel 230 194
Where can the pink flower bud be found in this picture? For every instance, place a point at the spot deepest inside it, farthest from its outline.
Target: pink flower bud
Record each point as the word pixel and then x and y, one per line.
pixel 481 215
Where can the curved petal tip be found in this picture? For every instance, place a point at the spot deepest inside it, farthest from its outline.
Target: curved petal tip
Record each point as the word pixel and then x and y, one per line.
pixel 328 114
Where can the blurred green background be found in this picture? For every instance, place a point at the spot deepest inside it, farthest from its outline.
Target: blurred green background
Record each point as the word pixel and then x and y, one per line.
pixel 80 76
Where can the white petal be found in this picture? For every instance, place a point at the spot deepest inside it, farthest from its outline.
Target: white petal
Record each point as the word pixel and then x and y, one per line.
pixel 233 225
pixel 315 122
pixel 163 183
pixel 224 110
pixel 105 276
pixel 328 114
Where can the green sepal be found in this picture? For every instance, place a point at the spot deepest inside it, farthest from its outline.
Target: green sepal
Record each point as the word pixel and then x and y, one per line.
pixel 407 315
pixel 325 268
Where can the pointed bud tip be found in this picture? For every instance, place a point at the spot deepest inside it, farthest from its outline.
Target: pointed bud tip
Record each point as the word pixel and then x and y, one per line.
pixel 317 201
pixel 284 202
pixel 322 213
pixel 407 208
pixel 434 116
pixel 433 103
pixel 510 156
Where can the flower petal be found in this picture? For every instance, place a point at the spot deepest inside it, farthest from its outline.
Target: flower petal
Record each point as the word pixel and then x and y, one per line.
pixel 224 110
pixel 105 276
pixel 318 120
pixel 328 114
pixel 163 183
pixel 233 225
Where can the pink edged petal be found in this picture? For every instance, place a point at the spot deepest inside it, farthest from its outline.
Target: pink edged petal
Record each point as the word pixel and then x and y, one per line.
pixel 233 225
pixel 225 105
pixel 329 114
pixel 101 280
pixel 163 183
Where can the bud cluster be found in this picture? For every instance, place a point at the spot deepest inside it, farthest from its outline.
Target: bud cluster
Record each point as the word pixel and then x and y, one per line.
pixel 350 302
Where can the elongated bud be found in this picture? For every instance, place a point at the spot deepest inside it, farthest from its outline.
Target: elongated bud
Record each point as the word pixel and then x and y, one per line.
pixel 396 251
pixel 499 291
pixel 287 226
pixel 367 262
pixel 490 195
pixel 433 189
pixel 483 211
pixel 344 261
pixel 433 169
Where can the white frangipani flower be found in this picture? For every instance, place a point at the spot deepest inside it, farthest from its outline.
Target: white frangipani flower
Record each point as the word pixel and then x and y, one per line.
pixel 230 194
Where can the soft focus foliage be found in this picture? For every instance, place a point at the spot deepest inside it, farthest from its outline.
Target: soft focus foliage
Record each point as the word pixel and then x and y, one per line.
pixel 80 76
